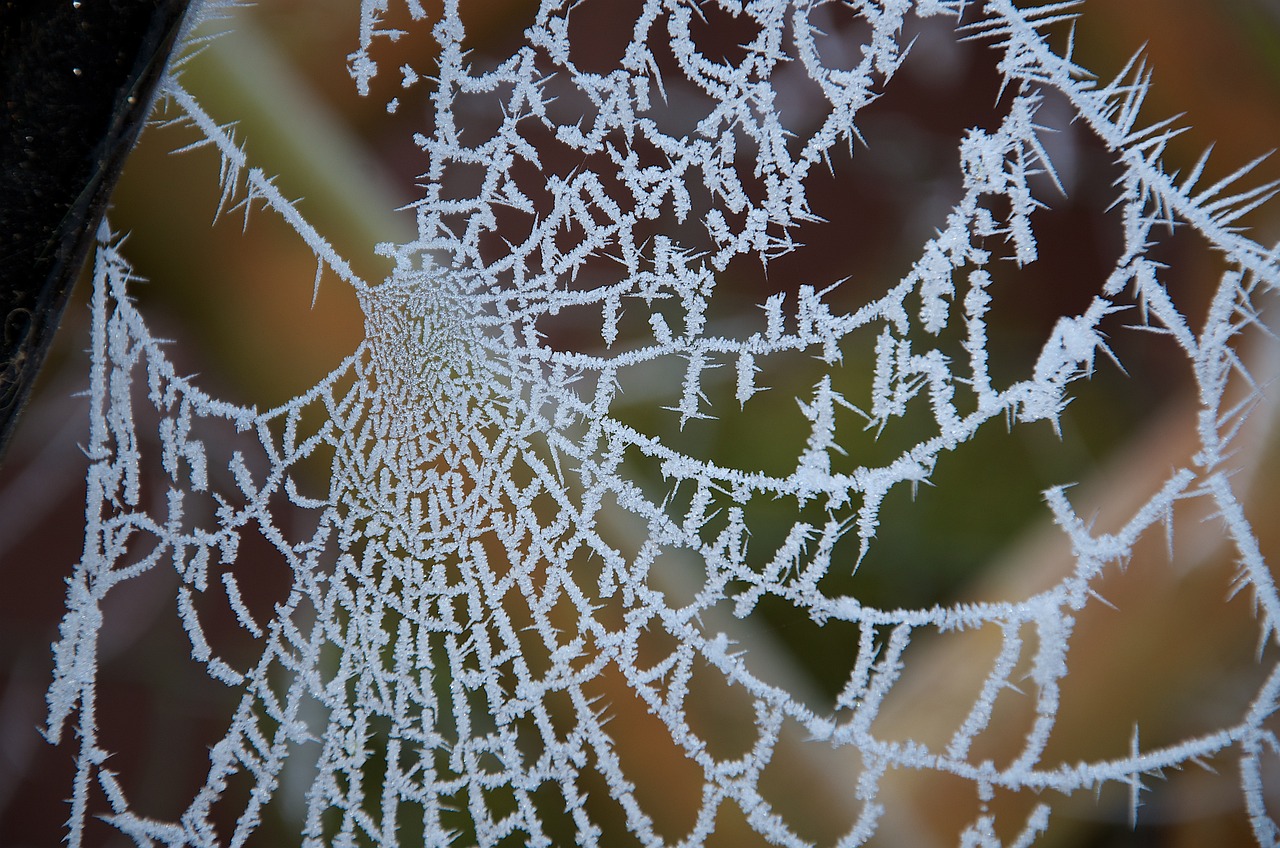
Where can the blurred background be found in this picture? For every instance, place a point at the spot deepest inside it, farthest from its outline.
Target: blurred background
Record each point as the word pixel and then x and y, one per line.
pixel 236 301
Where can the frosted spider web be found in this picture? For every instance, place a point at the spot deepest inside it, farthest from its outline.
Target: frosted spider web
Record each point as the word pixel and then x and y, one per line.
pixel 518 611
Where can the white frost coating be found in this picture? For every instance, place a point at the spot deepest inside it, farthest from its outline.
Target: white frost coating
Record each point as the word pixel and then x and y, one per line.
pixel 483 589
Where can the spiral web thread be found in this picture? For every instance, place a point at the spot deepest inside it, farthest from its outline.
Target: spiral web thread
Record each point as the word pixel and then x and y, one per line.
pixel 491 575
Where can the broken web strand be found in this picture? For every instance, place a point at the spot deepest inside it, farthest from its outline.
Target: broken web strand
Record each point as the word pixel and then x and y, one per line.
pixel 424 319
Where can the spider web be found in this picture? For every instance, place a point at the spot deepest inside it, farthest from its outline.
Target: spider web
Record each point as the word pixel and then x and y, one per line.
pixel 524 606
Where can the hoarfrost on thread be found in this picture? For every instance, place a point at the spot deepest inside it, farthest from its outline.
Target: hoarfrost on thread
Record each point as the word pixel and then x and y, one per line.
pixel 488 575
